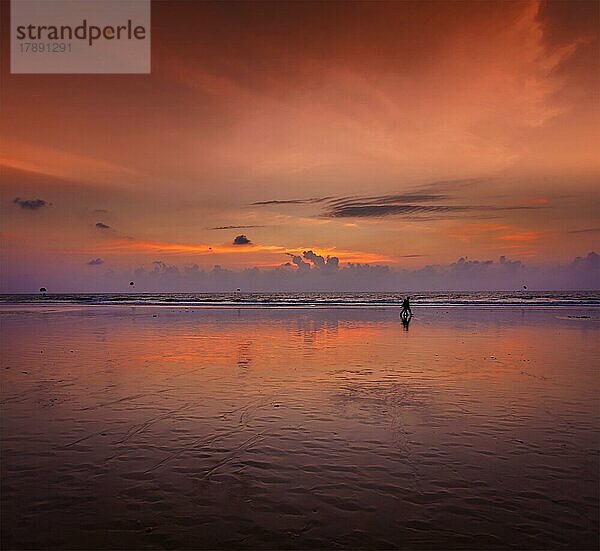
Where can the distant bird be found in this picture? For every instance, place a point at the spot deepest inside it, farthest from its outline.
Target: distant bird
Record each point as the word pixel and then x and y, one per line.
pixel 238 290
pixel 131 283
pixel 43 290
pixel 524 286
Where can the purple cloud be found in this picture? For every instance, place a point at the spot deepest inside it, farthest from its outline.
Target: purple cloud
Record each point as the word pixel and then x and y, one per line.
pixel 241 240
pixel 30 204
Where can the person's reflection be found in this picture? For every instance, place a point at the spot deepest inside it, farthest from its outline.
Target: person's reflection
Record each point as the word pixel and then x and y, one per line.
pixel 406 322
pixel 245 355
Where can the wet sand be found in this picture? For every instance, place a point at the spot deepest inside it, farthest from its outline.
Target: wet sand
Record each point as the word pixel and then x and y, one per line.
pixel 154 427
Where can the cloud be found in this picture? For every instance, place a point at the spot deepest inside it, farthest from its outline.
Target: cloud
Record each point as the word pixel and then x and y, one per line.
pixel 316 259
pixel 587 230
pixel 511 264
pixel 163 267
pixel 234 227
pixel 102 226
pixel 301 275
pixel 330 263
pixel 299 262
pixel 392 199
pixel 30 204
pixel 377 206
pixel 306 272
pixel 292 201
pixel 319 263
pixel 410 205
pixel 591 261
pixel 357 210
pixel 386 205
pixel 95 262
pixel 241 240
pixel 406 205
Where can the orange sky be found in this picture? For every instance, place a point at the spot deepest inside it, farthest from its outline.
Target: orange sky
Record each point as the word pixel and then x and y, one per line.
pixel 402 134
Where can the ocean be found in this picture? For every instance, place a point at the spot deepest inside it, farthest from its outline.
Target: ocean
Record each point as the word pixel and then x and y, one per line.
pixel 320 299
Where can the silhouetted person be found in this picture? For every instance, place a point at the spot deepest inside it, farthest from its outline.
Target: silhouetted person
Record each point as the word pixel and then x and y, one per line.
pixel 406 312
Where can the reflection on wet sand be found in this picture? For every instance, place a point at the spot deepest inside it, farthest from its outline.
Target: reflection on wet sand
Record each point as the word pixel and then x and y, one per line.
pixel 158 427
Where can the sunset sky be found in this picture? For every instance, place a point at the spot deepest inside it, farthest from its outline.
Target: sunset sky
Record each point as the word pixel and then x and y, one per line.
pixel 397 134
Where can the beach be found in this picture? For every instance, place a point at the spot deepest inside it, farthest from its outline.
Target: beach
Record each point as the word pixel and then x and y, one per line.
pixel 152 426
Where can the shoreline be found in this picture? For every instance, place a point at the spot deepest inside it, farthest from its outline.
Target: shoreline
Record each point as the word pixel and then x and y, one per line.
pixel 16 306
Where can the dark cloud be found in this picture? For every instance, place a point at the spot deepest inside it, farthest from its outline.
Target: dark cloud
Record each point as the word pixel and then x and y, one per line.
pixel 241 240
pixel 376 206
pixel 316 259
pixel 435 191
pixel 95 262
pixel 415 205
pixel 358 210
pixel 405 205
pixel 404 198
pixel 310 259
pixel 102 226
pixel 587 230
pixel 293 201
pixel 299 262
pixel 163 267
pixel 30 204
pixel 234 227
pixel 330 263
pixel 463 264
